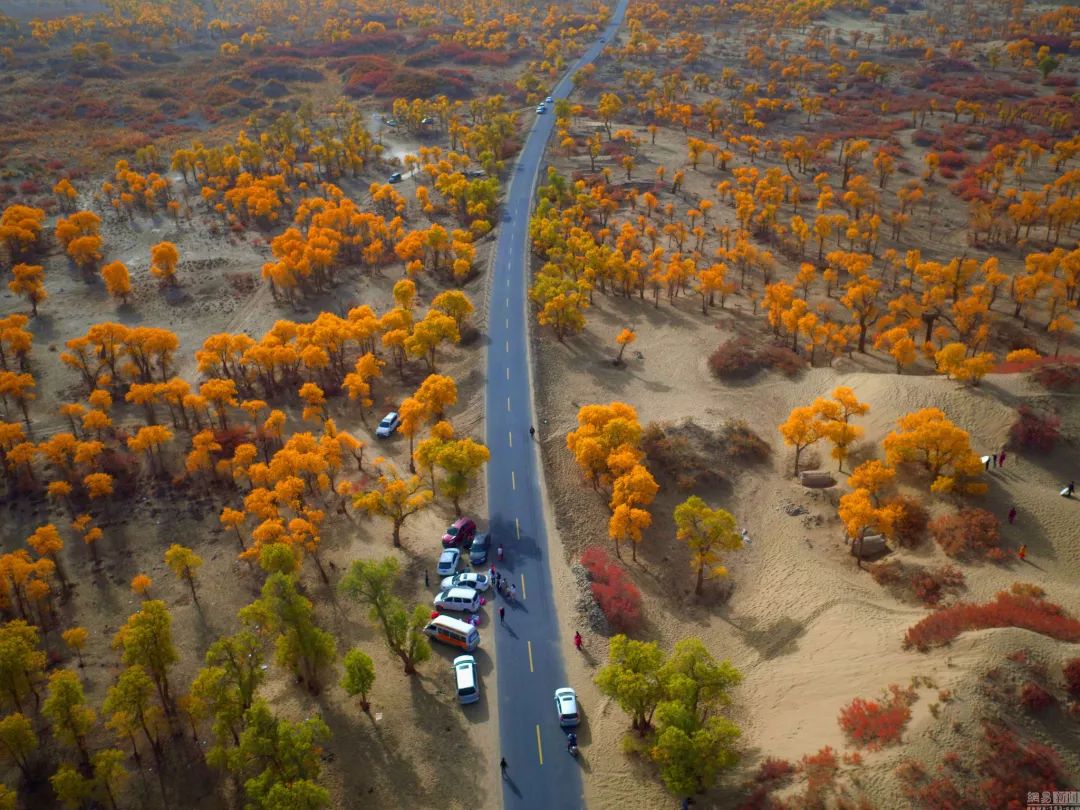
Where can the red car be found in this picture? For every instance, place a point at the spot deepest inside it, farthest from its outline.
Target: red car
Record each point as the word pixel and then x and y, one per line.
pixel 460 533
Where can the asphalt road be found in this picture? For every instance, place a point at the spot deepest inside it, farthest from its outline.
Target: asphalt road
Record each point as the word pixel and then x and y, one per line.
pixel 541 774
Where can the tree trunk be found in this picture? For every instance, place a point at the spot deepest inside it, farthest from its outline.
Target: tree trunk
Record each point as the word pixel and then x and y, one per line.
pixel 700 580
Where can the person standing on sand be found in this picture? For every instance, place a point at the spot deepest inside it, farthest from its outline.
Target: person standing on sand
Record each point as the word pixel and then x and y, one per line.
pixel 988 463
pixel 427 583
pixel 1001 459
pixel 503 766
pixel 1022 553
pixel 993 457
pixel 1012 516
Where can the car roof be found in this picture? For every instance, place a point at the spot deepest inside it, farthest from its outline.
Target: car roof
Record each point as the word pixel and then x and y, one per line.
pixel 481 538
pixel 464 659
pixel 460 591
pixel 391 415
pixel 565 693
pixel 450 552
pixel 463 522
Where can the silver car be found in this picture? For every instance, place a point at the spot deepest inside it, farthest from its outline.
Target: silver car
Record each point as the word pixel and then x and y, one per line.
pixel 467 579
pixel 448 562
pixel 388 425
pixel 566 707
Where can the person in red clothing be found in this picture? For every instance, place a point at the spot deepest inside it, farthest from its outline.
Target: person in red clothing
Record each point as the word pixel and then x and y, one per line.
pixel 1022 553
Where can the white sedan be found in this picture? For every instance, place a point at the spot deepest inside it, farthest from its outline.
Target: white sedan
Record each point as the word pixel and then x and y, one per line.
pixel 468 579
pixel 566 707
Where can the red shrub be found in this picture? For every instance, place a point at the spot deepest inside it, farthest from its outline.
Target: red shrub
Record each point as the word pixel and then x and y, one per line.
pixel 1057 377
pixel 820 770
pixel 1012 767
pixel 872 724
pixel 739 358
pixel 972 531
pixel 1034 698
pixel 1035 431
pixel 617 596
pixel 909 526
pixel 1071 671
pixel 1009 609
pixel 952 160
pixel 774 770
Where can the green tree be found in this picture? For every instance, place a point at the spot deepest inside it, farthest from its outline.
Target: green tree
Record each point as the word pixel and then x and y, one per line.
pixel 277 753
pixel 301 645
pixel 184 563
pixel 371 583
pixel 460 459
pixel 22 664
pixel 359 676
pixel 18 742
pixel 8 797
pixel 691 755
pixel 706 532
pixel 241 657
pixel 129 706
pixel 72 789
pixel 65 707
pixel 109 774
pixel 632 679
pixel 303 794
pixel 146 640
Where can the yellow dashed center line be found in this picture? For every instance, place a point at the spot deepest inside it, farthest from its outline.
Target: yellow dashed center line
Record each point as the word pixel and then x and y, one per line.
pixel 508 404
pixel 507 347
pixel 539 748
pixel 508 372
pixel 523 596
pixel 513 480
pixel 517 527
pixel 510 438
pixel 530 656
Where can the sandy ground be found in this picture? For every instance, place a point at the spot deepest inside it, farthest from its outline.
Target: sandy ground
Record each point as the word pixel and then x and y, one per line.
pixel 807 629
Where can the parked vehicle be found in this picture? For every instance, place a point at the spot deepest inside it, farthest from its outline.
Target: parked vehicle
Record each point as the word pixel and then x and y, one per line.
pixel 566 707
pixel 454 632
pixel 467 679
pixel 388 426
pixel 460 533
pixel 478 551
pixel 468 579
pixel 395 177
pixel 448 562
pixel 462 600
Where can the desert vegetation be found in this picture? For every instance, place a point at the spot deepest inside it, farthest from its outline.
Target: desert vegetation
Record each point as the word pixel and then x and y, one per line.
pixel 850 228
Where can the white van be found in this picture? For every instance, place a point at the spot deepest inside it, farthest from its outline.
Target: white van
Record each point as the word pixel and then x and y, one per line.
pixel 454 632
pixel 460 599
pixel 468 682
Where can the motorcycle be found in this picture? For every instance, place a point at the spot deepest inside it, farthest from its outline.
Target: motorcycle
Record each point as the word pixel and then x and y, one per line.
pixel 571 744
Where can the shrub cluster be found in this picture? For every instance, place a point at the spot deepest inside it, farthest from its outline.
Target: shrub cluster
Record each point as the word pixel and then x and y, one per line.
pixel 1017 607
pixel 677 456
pixel 909 525
pixel 1034 698
pixel 873 724
pixel 740 443
pixel 1033 430
pixel 929 586
pixel 1058 376
pixel 970 532
pixel 618 597
pixel 739 358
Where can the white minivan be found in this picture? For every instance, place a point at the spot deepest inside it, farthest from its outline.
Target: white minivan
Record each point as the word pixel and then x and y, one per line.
pixel 460 599
pixel 454 632
pixel 468 681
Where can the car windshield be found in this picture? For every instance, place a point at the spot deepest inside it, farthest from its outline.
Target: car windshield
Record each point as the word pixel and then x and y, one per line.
pixel 481 541
pixel 452 531
pixel 386 421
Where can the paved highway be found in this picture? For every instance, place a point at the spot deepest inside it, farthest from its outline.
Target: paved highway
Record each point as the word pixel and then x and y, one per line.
pixel 541 774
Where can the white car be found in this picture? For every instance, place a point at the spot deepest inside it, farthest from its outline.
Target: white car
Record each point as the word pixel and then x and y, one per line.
pixel 566 707
pixel 462 600
pixel 388 425
pixel 468 579
pixel 541 110
pixel 547 100
pixel 467 679
pixel 448 562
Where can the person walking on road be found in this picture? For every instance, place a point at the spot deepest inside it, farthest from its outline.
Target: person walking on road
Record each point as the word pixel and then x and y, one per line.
pixel 502 615
pixel 1012 516
pixel 513 592
pixel 503 766
pixel 532 432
